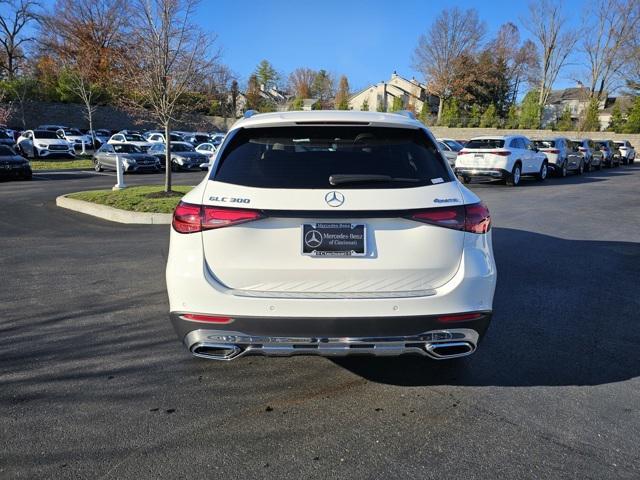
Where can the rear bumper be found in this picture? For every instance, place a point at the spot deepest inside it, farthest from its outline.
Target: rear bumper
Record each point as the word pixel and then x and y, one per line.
pixel 482 172
pixel 391 336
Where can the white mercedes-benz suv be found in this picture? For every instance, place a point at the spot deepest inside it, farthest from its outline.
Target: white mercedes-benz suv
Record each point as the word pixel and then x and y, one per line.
pixel 330 233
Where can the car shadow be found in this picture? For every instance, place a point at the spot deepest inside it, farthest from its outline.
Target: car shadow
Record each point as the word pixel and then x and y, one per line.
pixel 593 176
pixel 564 314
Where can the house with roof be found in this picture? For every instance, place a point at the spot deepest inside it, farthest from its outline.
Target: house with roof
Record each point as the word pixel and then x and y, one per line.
pixel 575 99
pixel 380 96
pixel 623 102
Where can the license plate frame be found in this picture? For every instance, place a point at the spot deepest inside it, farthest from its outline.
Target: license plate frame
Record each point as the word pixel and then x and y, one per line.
pixel 339 239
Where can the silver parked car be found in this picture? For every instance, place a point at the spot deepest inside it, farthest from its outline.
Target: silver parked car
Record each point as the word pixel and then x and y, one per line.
pixel 605 149
pixel 586 148
pixel 627 152
pixel 132 157
pixel 557 151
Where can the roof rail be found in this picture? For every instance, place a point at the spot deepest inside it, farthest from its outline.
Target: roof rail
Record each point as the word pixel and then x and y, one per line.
pixel 249 113
pixel 406 113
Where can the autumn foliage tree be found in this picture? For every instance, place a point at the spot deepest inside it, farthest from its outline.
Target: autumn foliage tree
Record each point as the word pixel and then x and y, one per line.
pixel 342 95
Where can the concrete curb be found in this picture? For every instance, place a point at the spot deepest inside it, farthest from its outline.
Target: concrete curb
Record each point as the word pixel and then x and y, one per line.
pixel 113 214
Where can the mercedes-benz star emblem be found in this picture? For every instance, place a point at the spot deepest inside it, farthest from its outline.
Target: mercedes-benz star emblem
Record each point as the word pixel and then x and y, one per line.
pixel 334 199
pixel 313 239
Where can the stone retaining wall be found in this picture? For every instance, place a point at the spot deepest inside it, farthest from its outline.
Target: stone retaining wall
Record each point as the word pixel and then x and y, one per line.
pixel 467 133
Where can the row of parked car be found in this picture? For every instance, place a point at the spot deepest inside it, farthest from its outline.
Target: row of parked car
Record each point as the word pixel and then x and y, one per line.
pixel 137 151
pixel 60 141
pixel 512 157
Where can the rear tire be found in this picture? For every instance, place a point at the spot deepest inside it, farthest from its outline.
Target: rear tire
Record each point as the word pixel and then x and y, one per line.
pixel 599 167
pixel 544 171
pixel 513 180
pixel 97 167
pixel 580 170
pixel 563 170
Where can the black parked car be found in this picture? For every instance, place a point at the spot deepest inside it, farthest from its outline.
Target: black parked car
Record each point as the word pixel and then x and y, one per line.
pixel 13 165
pixel 183 155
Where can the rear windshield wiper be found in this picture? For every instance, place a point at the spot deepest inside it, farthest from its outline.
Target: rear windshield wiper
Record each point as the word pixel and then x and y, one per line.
pixel 342 178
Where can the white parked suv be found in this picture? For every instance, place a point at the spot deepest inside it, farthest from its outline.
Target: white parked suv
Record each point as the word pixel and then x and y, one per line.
pixel 132 138
pixel 330 233
pixel 43 143
pixel 627 152
pixel 507 157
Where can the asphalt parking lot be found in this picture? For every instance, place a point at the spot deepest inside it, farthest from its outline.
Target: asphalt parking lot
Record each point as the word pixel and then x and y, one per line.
pixel 94 383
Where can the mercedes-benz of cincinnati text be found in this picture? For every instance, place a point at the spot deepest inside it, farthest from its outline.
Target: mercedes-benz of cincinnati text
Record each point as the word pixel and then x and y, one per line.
pixel 330 233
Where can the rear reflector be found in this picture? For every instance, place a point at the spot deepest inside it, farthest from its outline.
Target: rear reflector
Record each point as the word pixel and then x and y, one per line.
pixel 190 218
pixel 473 218
pixel 460 317
pixel 205 318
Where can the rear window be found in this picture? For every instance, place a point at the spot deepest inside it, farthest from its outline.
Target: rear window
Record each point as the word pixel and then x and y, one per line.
pixel 485 143
pixel 353 156
pixel 620 144
pixel 544 143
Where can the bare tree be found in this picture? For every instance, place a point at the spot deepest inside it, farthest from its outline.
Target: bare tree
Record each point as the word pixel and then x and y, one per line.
pixel 521 59
pixel 548 25
pixel 301 81
pixel 613 26
pixel 12 38
pixel 78 82
pixel 453 33
pixel 169 55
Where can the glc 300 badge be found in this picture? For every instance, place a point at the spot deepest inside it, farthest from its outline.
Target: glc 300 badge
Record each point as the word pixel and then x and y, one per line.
pixel 334 199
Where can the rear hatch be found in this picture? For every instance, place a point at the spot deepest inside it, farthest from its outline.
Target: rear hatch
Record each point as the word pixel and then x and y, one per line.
pixel 483 153
pixel 335 206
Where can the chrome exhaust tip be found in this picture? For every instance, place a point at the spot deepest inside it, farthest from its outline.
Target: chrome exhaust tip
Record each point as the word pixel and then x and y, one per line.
pixel 213 351
pixel 445 350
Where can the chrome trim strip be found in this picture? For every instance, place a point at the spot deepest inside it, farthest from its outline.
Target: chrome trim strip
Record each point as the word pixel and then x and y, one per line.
pixel 425 344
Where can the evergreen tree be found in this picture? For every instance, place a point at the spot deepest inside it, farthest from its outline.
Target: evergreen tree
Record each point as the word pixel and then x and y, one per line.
pixel 365 106
pixel 424 112
pixel 565 123
pixel 489 117
pixel 530 111
pixel 266 75
pixel 474 116
pixel 512 117
pixel 297 104
pixel 633 118
pixel 380 107
pixel 322 89
pixel 616 124
pixel 397 105
pixel 450 113
pixel 590 122
pixel 342 95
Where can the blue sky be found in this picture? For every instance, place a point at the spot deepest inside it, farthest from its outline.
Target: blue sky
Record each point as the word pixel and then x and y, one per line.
pixel 365 40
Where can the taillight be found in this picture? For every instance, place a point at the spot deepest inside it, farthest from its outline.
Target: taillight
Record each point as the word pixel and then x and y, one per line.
pixel 502 153
pixel 473 218
pixel 190 218
pixel 478 219
pixel 215 217
pixel 463 152
pixel 582 149
pixel 551 150
pixel 186 218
